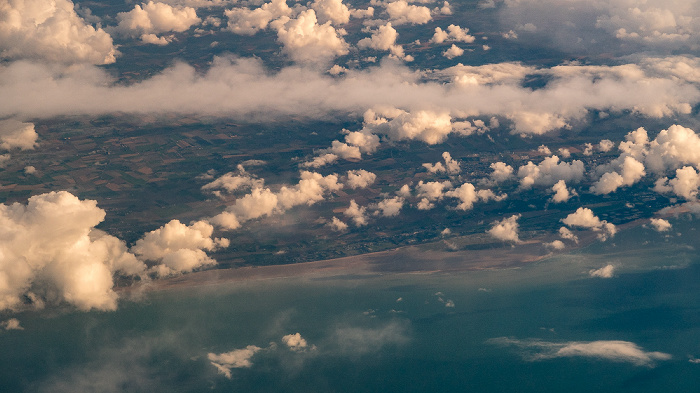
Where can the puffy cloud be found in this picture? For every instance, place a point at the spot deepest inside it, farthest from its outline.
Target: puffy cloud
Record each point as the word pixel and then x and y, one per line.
pixel 555 245
pixel 672 148
pixel 14 133
pixel 238 358
pixel 501 172
pixel 295 342
pixel 52 251
pixel 333 11
pixel 305 40
pixel 400 12
pixel 468 195
pixel 451 166
pixel 584 217
pixel 537 123
pixel 506 229
pixel 564 152
pixel 365 141
pixel 360 178
pixel 432 190
pixel 428 126
pixel 606 145
pixel 685 184
pixel 231 182
pixel 453 33
pixel 453 51
pixel 607 271
pixel 356 213
pixel 390 207
pixel 248 22
pixel 53 31
pixel 337 225
pixel 148 19
pixel 612 350
pixel 543 149
pixel 11 324
pixel 178 247
pixel 262 202
pixel 561 193
pixel 565 233
pixel 660 224
pixel 322 160
pixel 632 171
pixel 549 172
pixel 384 38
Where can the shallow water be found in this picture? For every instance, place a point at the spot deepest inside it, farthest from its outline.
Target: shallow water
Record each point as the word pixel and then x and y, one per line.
pixel 394 333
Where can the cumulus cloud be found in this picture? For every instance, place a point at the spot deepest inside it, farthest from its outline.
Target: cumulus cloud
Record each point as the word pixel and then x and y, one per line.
pixel 238 358
pixel 17 134
pixel 501 172
pixel 305 40
pixel 400 12
pixel 660 225
pixel 295 342
pixel 390 207
pixel 384 39
pixel 549 172
pixel 607 271
pixel 428 126
pixel 453 33
pixel 555 245
pixel 52 252
pixel 631 172
pixel 606 145
pixel 179 248
pixel 261 202
pixel 11 324
pixel 565 233
pixel 451 166
pixel 561 193
pixel 53 31
pixel 611 350
pixel 468 195
pixel 234 181
pixel 583 217
pixel 357 213
pixel 672 148
pixel 684 185
pixel 152 18
pixel 360 178
pixel 249 21
pixel 333 11
pixel 506 230
pixel 453 51
pixel 337 225
pixel 432 190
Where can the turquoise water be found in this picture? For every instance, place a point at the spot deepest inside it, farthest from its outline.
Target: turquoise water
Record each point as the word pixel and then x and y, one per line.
pixel 362 338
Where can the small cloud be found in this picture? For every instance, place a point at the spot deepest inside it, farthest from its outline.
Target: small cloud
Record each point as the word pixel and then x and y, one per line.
pixel 607 271
pixel 238 358
pixel 11 324
pixel 295 342
pixel 660 225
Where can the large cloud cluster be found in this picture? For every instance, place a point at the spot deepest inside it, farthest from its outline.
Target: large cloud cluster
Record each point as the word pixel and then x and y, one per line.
pixel 52 252
pixel 53 31
pixel 549 172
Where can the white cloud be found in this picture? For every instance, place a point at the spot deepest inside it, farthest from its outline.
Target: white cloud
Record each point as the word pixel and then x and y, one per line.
pixel 685 184
pixel 612 350
pixel 52 252
pixel 17 134
pixel 632 171
pixel 607 271
pixel 660 224
pixel 360 178
pixel 295 342
pixel 262 202
pixel 11 324
pixel 555 245
pixel 453 51
pixel 390 207
pixel 231 182
pixel 451 166
pixel 565 233
pixel 584 217
pixel 53 31
pixel 337 225
pixel 432 190
pixel 506 229
pixel 606 145
pixel 672 148
pixel 322 160
pixel 155 18
pixel 501 172
pixel 561 193
pixel 549 172
pixel 468 195
pixel 333 11
pixel 400 12
pixel 178 247
pixel 428 126
pixel 238 358
pixel 250 21
pixel 356 213
pixel 453 33
pixel 305 40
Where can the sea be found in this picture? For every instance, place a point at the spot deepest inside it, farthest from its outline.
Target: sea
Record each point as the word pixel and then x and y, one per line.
pixel 548 326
